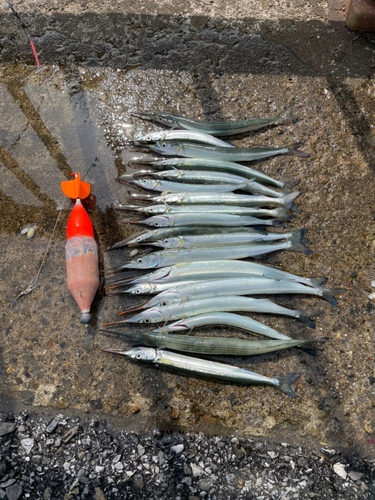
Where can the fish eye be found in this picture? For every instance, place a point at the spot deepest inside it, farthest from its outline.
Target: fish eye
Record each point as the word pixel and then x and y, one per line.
pixel 144 181
pixel 163 145
pixel 156 224
pixel 138 356
pixel 166 241
pixel 147 320
pixel 148 138
pixel 137 290
pixel 164 303
pixel 140 261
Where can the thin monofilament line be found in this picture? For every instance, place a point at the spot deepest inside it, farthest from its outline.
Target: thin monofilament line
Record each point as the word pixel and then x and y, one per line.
pixel 33 283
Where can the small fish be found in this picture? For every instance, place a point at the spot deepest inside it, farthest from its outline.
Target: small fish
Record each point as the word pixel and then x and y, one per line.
pixel 218 128
pixel 163 314
pixel 176 187
pixel 204 368
pixel 210 345
pixel 208 198
pixel 222 209
pixel 218 269
pixel 204 177
pixel 228 154
pixel 192 241
pixel 245 323
pixel 236 251
pixel 236 286
pixel 205 219
pixel 215 165
pixel 182 135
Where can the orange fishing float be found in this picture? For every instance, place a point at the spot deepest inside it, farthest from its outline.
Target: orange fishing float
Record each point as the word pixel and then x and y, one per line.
pixel 82 269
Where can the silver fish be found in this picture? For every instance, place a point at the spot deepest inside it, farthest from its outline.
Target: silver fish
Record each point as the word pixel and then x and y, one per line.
pixel 205 219
pixel 203 368
pixel 218 128
pixel 218 269
pixel 208 198
pixel 228 154
pixel 215 165
pixel 222 209
pixel 236 286
pixel 238 251
pixel 163 314
pixel 176 187
pixel 205 240
pixel 245 323
pixel 182 135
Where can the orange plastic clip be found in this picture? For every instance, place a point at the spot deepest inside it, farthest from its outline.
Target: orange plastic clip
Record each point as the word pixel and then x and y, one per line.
pixel 76 188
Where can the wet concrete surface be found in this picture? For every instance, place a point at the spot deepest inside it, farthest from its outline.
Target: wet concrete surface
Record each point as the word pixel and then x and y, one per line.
pixel 74 114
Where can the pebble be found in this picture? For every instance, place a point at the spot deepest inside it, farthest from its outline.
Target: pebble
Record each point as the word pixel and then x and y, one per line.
pixel 6 428
pixel 340 470
pixel 68 435
pixel 205 484
pixel 138 482
pixel 196 470
pixel 355 476
pixel 27 444
pixel 99 468
pixel 179 448
pixel 7 483
pixel 141 450
pixel 14 492
pixel 52 426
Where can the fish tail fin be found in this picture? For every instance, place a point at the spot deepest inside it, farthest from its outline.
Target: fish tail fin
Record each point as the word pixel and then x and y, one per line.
pixel 329 298
pixel 293 150
pixel 318 281
pixel 277 222
pixel 285 382
pixel 305 316
pixel 310 350
pixel 328 292
pixel 297 246
pixel 289 184
pixel 286 116
pixel 288 199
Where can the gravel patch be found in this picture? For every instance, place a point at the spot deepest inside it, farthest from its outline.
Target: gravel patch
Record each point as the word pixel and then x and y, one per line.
pixel 66 458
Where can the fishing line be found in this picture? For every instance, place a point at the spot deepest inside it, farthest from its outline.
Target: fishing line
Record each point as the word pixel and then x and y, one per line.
pixel 33 283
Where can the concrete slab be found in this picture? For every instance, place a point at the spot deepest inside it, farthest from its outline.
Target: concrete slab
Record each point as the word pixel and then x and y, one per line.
pixel 209 61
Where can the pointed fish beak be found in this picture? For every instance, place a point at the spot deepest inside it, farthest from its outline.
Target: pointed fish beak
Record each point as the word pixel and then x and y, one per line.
pixel 127 207
pixel 117 322
pixel 143 116
pixel 143 172
pixel 114 351
pixel 143 161
pixel 118 268
pixel 138 196
pixel 124 178
pixel 130 221
pixel 134 309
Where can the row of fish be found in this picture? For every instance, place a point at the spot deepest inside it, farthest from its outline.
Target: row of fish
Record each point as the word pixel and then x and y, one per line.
pixel 203 226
